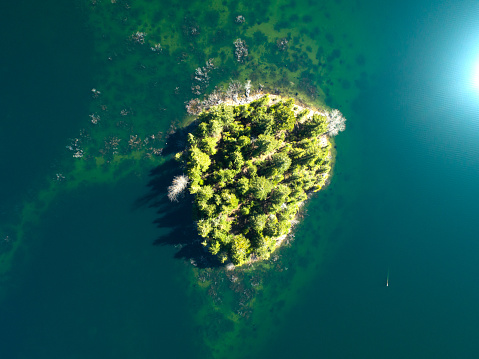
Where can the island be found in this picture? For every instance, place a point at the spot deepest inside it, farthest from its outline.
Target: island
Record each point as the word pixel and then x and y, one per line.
pixel 250 167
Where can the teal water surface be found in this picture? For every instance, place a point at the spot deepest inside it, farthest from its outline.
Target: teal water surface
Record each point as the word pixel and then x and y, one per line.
pixel 89 283
pixel 46 72
pixel 415 218
pixel 91 290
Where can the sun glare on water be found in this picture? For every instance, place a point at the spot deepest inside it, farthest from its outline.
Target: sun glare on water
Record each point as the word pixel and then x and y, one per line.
pixel 475 77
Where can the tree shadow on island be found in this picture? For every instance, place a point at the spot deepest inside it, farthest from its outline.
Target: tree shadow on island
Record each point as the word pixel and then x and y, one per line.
pixel 175 216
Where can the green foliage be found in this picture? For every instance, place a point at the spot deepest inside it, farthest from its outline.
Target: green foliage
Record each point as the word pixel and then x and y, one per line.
pixel 265 247
pixel 283 115
pixel 262 102
pixel 262 122
pixel 204 227
pixel 237 160
pixel 180 157
pixel 245 211
pixel 280 194
pixel 240 249
pixel 205 193
pixel 282 227
pixel 199 159
pixel 192 141
pixel 236 128
pixel 242 186
pixel 250 167
pixel 202 130
pixel 215 128
pixel 208 145
pixel 298 194
pixel 277 165
pixel 194 173
pixel 223 177
pixel 265 144
pixel 257 222
pixel 230 202
pixel 215 247
pixel 243 141
pixel 260 187
pixel 302 114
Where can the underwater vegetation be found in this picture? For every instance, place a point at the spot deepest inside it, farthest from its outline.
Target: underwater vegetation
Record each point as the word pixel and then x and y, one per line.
pixel 151 59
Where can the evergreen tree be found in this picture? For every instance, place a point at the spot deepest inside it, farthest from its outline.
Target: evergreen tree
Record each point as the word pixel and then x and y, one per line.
pixel 260 187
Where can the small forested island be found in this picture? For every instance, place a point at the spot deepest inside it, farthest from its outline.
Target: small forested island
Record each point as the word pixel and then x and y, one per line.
pixel 250 167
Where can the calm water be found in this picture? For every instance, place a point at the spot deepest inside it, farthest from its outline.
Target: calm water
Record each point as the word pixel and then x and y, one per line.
pixel 91 290
pixel 46 76
pixel 88 282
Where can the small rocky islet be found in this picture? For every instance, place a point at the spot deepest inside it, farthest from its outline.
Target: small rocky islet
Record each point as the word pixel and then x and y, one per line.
pixel 250 165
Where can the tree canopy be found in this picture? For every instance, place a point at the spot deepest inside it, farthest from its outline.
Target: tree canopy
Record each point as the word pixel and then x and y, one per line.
pixel 250 168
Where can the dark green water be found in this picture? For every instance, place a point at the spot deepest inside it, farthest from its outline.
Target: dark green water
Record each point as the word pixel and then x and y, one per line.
pixel 91 289
pixel 45 71
pixel 87 281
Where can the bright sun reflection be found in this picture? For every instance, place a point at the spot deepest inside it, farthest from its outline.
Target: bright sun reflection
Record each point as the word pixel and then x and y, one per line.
pixel 475 76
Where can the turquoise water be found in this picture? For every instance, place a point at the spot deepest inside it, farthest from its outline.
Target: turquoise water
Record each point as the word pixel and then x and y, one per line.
pixel 415 214
pixel 87 280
